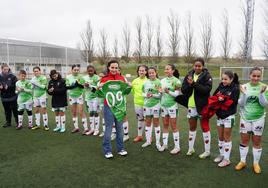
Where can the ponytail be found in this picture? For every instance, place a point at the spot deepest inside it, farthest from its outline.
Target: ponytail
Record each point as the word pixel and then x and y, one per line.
pixel 232 76
pixel 176 72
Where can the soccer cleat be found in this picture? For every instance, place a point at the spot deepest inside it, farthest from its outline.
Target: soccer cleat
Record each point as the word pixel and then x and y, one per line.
pixel 240 165
pixel 256 168
pixel 19 127
pixel 224 163
pixel 30 126
pixel 175 151
pixel 190 152
pixel 35 127
pixel 125 138
pixel 90 132
pixel 101 134
pixel 163 148
pixel 62 130
pixel 204 155
pixel 57 129
pixel 108 155
pixel 85 132
pixel 75 130
pixel 146 144
pixel 96 133
pixel 158 147
pixel 218 159
pixel 138 139
pixel 46 128
pixel 122 153
pixel 113 136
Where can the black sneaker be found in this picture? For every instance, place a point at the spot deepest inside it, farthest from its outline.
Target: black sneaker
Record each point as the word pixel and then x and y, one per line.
pixel 7 125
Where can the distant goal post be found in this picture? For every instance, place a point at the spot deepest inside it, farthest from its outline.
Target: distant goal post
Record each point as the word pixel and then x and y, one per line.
pixel 242 72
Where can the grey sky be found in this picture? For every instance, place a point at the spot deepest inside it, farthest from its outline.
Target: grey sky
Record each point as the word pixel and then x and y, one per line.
pixel 61 21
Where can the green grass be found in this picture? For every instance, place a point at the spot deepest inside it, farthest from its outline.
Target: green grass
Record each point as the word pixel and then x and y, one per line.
pixel 45 159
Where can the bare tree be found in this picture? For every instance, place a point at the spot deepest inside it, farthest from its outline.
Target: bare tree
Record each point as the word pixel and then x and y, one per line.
pixel 115 48
pixel 225 36
pixel 173 41
pixel 264 46
pixel 159 42
pixel 206 37
pixel 87 49
pixel 188 39
pixel 149 37
pixel 139 39
pixel 126 43
pixel 103 47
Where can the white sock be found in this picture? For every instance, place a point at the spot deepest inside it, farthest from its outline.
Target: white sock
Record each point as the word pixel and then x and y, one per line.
pixel 221 147
pixel 243 153
pixel 84 123
pixel 192 135
pixel 45 119
pixel 165 139
pixel 91 123
pixel 37 119
pixel 125 127
pixel 113 129
pixel 148 134
pixel 141 125
pixel 227 150
pixel 176 138
pixel 157 132
pixel 63 119
pixel 256 155
pixel 30 120
pixel 207 138
pixel 57 119
pixel 20 118
pixel 75 121
pixel 97 123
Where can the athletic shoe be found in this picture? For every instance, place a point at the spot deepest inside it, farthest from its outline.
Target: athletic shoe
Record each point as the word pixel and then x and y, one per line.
pixel 75 130
pixel 256 168
pixel 108 155
pixel 138 139
pixel 85 132
pixel 175 151
pixel 46 128
pixel 163 148
pixel 125 138
pixel 218 159
pixel 101 134
pixel 7 125
pixel 30 126
pixel 224 163
pixel 190 152
pixel 158 147
pixel 122 153
pixel 90 132
pixel 57 129
pixel 62 130
pixel 240 165
pixel 35 127
pixel 146 144
pixel 204 155
pixel 19 127
pixel 113 136
pixel 96 133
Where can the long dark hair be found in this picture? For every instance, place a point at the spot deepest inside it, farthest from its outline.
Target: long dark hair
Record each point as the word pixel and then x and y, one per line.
pixel 146 69
pixel 176 72
pixel 255 69
pixel 92 67
pixel 153 68
pixel 232 75
pixel 52 72
pixel 109 64
pixel 76 65
pixel 199 59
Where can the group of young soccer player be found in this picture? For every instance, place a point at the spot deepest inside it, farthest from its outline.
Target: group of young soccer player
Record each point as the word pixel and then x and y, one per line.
pixel 154 98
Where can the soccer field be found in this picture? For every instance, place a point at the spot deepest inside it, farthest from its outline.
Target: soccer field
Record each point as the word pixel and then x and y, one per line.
pixel 36 158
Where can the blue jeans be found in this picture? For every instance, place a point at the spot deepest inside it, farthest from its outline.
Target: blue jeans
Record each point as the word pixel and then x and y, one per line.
pixel 109 121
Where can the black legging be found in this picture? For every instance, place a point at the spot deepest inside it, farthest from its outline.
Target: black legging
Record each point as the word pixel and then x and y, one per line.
pixel 10 107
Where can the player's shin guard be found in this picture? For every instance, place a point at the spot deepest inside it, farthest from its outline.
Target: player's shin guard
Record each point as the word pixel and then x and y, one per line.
pixel 165 139
pixel 141 125
pixel 157 131
pixel 176 138
pixel 58 121
pixel 62 121
pixel 192 135
pixel 75 121
pixel 97 123
pixel 227 150
pixel 125 127
pixel 37 119
pixel 207 138
pixel 20 117
pixel 45 119
pixel 221 147
pixel 148 133
pixel 30 120
pixel 243 153
pixel 91 122
pixel 84 123
pixel 256 154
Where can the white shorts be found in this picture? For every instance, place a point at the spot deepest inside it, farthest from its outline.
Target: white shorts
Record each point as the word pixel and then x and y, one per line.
pixel 40 102
pixel 152 111
pixel 26 106
pixel 172 112
pixel 59 109
pixel 192 113
pixel 255 127
pixel 227 122
pixel 78 100
pixel 92 105
pixel 139 113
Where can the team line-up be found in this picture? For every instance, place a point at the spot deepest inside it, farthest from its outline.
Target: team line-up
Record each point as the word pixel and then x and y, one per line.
pixel 106 93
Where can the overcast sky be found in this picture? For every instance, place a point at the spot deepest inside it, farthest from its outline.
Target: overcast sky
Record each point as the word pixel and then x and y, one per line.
pixel 61 21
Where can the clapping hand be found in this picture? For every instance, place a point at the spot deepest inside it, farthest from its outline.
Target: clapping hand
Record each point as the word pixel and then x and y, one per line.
pixel 51 89
pixel 263 88
pixel 243 89
pixel 190 80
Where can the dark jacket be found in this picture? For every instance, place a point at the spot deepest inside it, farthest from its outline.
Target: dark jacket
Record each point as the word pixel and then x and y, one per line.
pixel 59 94
pixel 9 93
pixel 201 88
pixel 233 92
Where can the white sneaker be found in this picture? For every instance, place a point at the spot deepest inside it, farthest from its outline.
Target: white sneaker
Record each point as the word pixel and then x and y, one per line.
pixel 159 147
pixel 122 153
pixel 224 163
pixel 175 151
pixel 108 155
pixel 96 133
pixel 113 136
pixel 218 159
pixel 101 134
pixel 204 155
pixel 125 138
pixel 145 145
pixel 163 148
pixel 190 152
pixel 90 132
